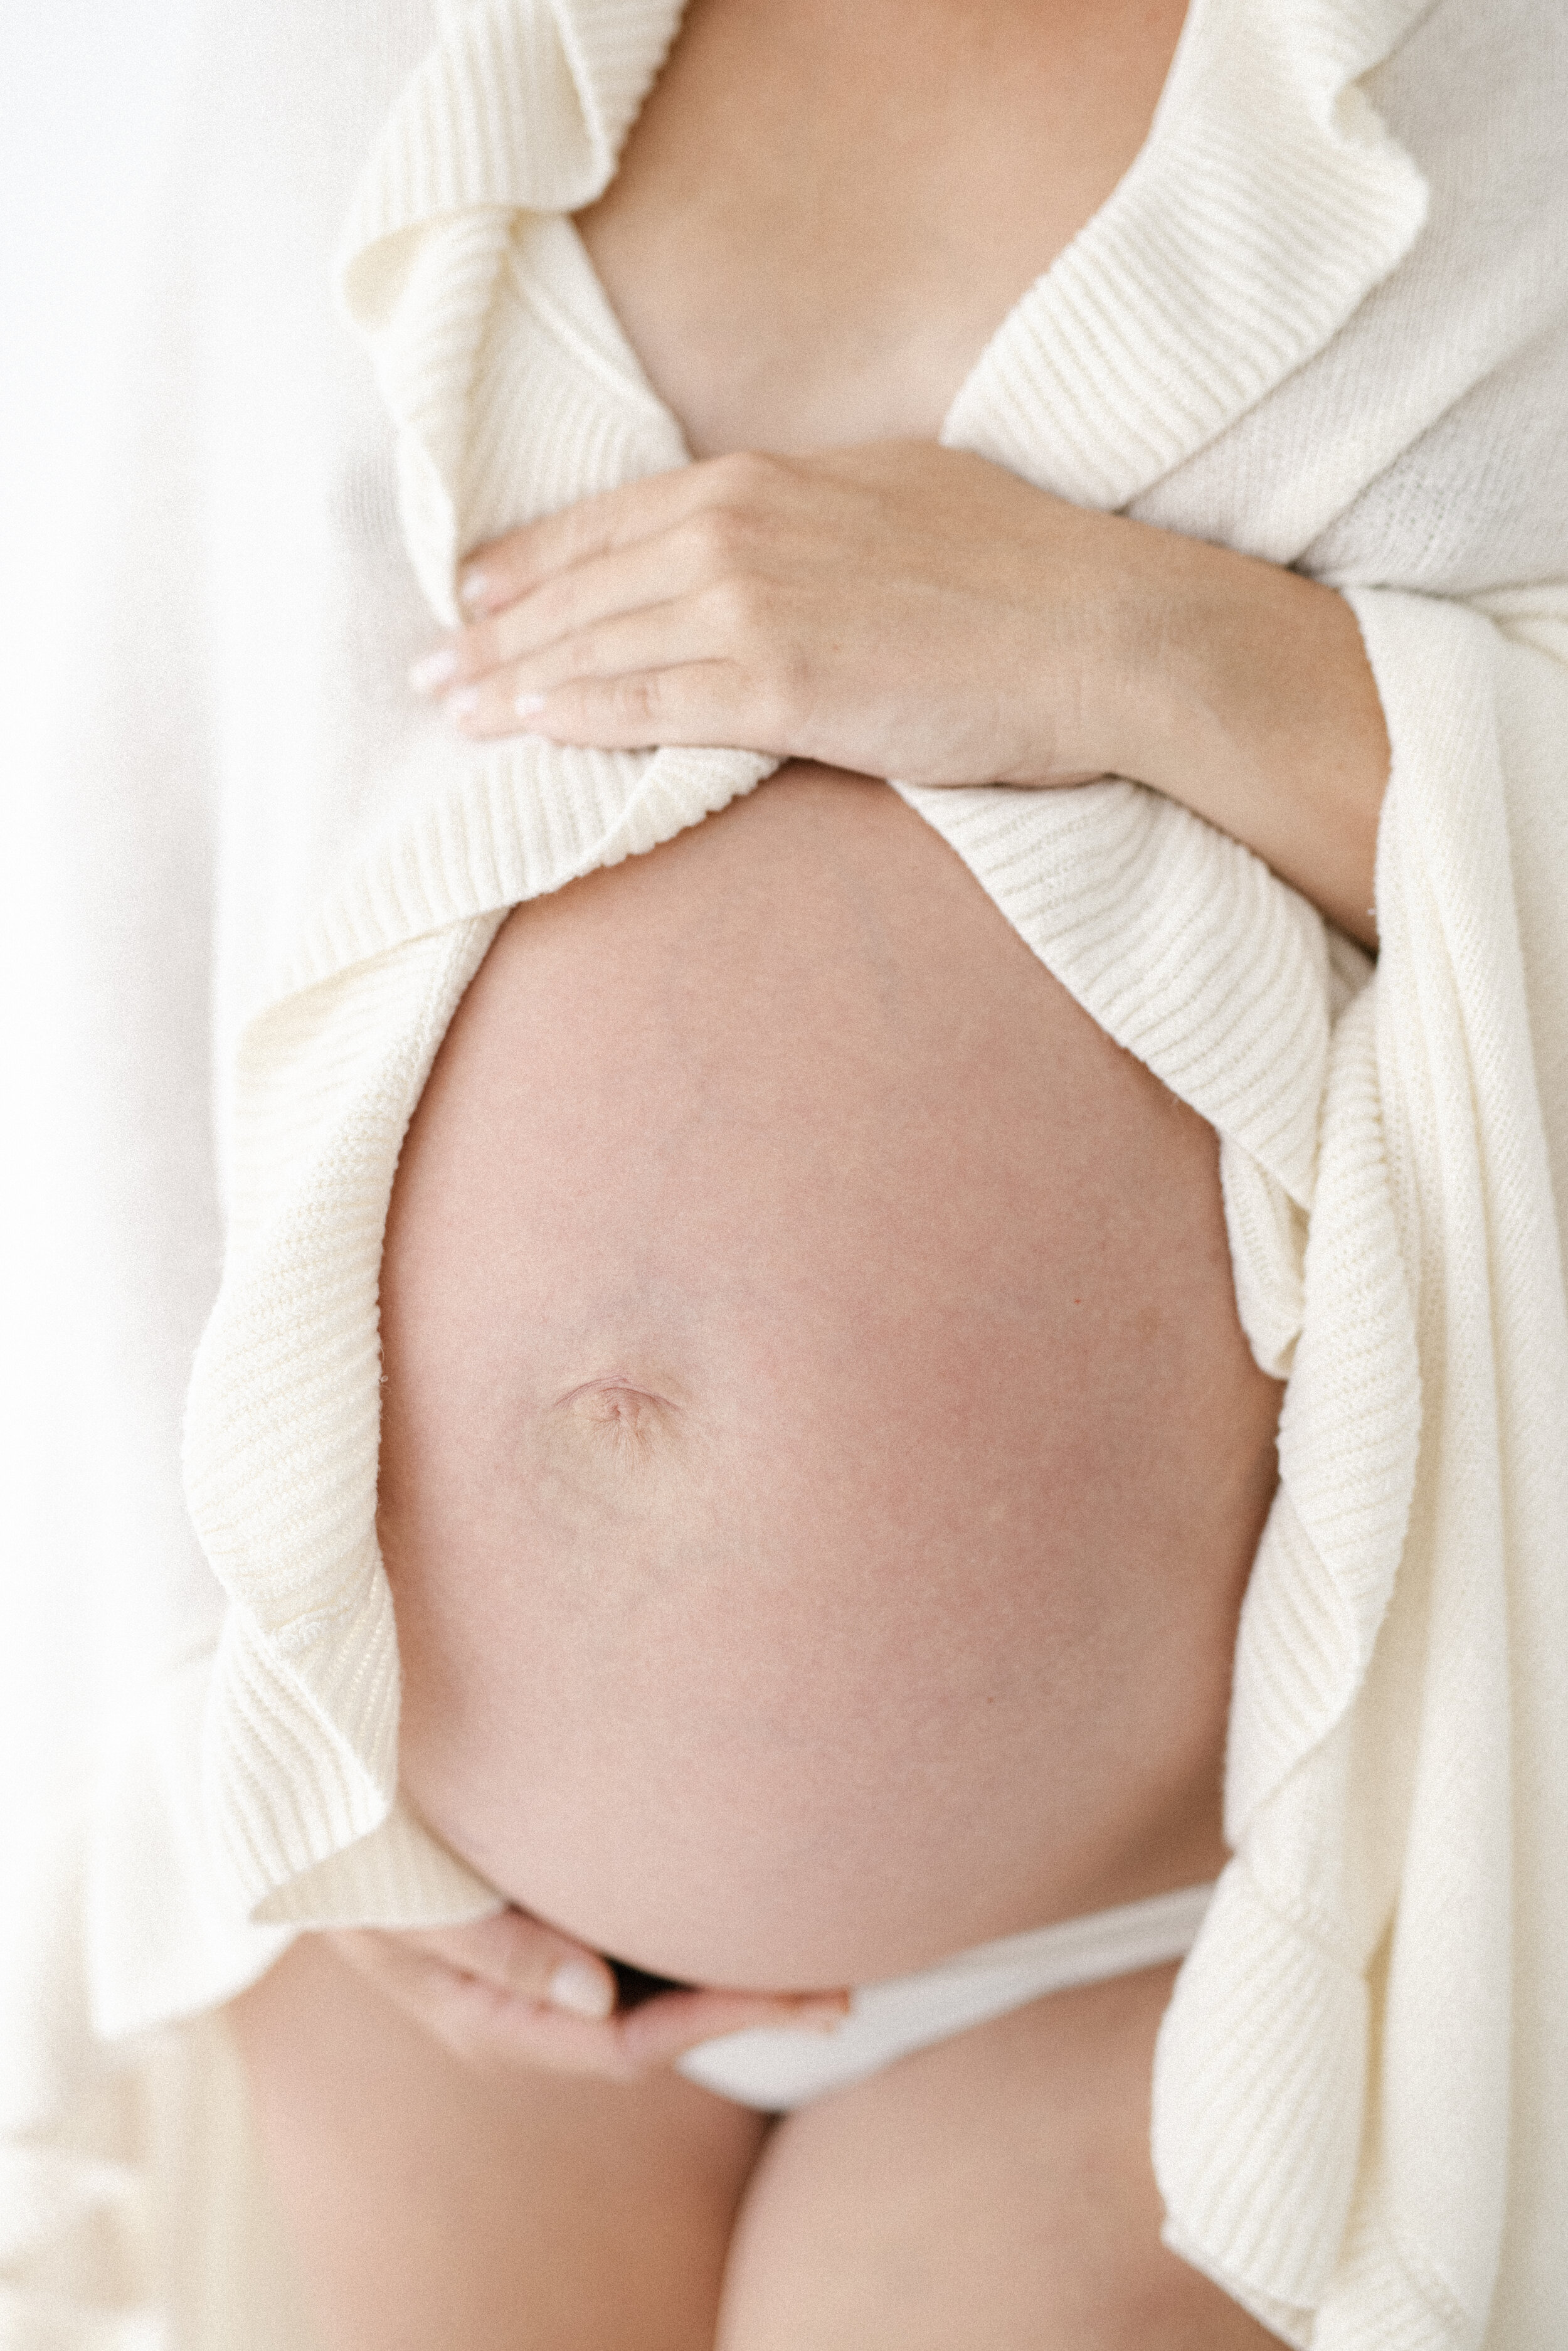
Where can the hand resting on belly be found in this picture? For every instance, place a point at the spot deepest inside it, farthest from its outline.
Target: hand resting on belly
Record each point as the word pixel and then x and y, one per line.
pixel 820 1463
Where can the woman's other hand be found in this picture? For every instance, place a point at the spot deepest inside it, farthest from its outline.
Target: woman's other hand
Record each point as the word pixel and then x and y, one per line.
pixel 911 611
pixel 508 1993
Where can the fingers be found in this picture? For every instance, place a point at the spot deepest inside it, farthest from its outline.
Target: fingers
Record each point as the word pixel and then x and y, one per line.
pixel 713 702
pixel 489 2027
pixel 497 575
pixel 698 553
pixel 706 568
pixel 663 2028
pixel 520 1955
pixel 712 590
pixel 510 1953
pixel 719 663
pixel 665 636
pixel 510 1994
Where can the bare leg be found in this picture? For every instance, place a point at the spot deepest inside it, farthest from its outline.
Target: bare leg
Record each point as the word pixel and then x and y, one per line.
pixel 434 2211
pixel 995 2191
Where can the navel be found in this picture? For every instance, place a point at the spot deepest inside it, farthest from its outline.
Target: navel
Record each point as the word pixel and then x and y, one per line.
pixel 633 1420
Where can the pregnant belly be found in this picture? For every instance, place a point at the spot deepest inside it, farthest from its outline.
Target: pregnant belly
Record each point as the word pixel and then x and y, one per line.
pixel 821 1464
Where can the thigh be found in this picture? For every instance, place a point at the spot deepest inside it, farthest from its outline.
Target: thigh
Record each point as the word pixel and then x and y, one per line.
pixel 994 2192
pixel 433 2211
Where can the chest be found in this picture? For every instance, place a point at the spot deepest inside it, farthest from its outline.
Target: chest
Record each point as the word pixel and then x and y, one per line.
pixel 826 207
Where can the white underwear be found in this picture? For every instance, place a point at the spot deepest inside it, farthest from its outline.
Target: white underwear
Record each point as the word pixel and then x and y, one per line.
pixel 776 2068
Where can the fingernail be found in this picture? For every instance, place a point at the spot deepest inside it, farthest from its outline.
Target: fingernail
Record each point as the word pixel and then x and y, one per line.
pixel 581 1989
pixel 463 704
pixel 433 670
pixel 474 587
pixel 528 706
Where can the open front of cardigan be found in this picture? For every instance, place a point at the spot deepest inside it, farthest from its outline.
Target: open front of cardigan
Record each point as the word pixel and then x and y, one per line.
pixel 1325 319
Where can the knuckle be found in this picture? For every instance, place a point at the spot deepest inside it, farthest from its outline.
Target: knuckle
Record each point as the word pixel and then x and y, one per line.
pixel 744 476
pixel 544 612
pixel 640 705
pixel 734 604
pixel 586 655
pixel 793 673
pixel 782 686
pixel 582 654
pixel 573 531
pixel 720 536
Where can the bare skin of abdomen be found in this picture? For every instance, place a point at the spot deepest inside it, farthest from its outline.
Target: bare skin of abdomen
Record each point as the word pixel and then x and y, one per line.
pixel 820 1462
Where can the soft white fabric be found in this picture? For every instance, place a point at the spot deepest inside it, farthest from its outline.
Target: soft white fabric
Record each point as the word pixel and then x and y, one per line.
pixel 1323 319
pixel 776 2069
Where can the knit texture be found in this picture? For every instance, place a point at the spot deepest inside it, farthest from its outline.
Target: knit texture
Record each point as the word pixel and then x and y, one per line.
pixel 1396 1774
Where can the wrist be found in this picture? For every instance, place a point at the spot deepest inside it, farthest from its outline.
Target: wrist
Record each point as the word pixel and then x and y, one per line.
pixel 1245 692
pixel 1139 658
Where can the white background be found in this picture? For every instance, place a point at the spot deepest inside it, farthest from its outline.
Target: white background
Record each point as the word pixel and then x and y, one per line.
pixel 85 89
pixel 84 85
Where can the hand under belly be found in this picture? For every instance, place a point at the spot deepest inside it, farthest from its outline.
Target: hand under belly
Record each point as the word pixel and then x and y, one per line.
pixel 820 1463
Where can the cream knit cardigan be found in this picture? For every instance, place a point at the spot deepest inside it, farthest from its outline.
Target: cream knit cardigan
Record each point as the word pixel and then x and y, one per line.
pixel 1325 319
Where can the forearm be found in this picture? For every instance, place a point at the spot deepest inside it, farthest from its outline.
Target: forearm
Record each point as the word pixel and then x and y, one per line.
pixel 1254 706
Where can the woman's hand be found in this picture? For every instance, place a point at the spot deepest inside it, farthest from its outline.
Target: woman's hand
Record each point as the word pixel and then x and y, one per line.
pixel 508 1993
pixel 902 610
pixel 910 610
